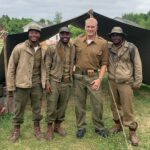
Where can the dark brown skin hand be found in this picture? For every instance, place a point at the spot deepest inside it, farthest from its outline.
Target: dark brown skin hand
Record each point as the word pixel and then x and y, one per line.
pixel 48 88
pixel 135 87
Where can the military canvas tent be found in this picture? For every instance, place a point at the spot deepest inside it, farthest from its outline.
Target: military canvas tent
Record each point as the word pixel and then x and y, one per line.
pixel 137 35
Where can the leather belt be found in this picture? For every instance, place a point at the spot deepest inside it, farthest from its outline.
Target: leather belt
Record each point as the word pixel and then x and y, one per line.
pixel 88 72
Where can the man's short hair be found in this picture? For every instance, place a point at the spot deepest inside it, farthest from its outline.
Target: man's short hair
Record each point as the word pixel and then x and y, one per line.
pixel 91 19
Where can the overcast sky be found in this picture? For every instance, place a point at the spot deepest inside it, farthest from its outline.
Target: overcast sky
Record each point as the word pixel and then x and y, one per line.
pixel 37 9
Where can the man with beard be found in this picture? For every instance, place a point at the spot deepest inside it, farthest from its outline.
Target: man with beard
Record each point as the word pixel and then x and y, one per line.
pixel 125 75
pixel 91 60
pixel 26 76
pixel 59 63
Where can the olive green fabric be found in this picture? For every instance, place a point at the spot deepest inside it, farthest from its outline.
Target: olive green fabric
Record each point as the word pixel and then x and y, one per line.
pixel 57 101
pixel 59 61
pixel 82 88
pixel 36 76
pixel 21 98
pixel 123 95
pixel 59 64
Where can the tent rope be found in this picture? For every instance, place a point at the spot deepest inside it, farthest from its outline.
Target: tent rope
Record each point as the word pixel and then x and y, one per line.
pixel 125 137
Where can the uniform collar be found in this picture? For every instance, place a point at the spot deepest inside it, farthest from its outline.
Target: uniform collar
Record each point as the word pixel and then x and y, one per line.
pixel 61 44
pixel 121 50
pixel 95 40
pixel 29 44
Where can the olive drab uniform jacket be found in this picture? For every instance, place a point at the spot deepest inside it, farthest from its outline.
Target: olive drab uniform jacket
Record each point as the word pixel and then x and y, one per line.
pixel 59 62
pixel 20 67
pixel 90 56
pixel 125 64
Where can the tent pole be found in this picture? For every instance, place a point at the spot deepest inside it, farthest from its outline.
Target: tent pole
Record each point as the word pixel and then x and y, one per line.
pixel 5 57
pixel 9 100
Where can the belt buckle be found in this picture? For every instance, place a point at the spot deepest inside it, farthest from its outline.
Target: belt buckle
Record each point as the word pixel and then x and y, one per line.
pixel 90 72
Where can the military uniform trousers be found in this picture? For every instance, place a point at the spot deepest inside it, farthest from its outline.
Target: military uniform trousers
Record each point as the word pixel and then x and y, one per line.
pixel 82 88
pixel 57 101
pixel 22 95
pixel 123 95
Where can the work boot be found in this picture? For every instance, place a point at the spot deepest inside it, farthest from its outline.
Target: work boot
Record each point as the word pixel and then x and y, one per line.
pixel 117 128
pixel 50 133
pixel 15 135
pixel 38 134
pixel 104 132
pixel 58 129
pixel 80 133
pixel 133 138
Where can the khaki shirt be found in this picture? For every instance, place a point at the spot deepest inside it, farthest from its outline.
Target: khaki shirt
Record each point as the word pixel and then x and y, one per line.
pixel 36 75
pixel 121 67
pixel 20 67
pixel 90 56
pixel 59 61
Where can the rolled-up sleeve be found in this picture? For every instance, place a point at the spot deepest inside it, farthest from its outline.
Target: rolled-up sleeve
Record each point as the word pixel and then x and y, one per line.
pixel 104 60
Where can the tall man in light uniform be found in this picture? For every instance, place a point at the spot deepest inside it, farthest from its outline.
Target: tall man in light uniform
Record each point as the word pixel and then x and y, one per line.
pixel 26 76
pixel 91 55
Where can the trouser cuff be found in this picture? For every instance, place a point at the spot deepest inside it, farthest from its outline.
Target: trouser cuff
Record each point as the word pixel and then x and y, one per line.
pixel 134 126
pixel 59 121
pixel 117 121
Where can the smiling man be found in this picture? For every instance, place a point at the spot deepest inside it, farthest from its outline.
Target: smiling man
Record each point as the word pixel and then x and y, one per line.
pixel 125 75
pixel 25 77
pixel 91 59
pixel 59 64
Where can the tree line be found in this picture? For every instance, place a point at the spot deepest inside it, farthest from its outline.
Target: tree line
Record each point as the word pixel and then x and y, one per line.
pixel 15 25
pixel 143 19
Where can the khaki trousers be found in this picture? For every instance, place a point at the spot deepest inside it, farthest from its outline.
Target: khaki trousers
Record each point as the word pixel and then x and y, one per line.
pixel 57 101
pixel 123 95
pixel 82 88
pixel 22 95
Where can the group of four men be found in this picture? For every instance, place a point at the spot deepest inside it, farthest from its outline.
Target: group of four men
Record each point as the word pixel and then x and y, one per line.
pixel 32 69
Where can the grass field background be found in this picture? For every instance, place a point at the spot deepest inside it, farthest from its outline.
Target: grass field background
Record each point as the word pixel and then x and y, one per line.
pixel 91 141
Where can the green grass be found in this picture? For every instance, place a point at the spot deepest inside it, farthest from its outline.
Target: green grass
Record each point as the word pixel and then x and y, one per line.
pixel 91 141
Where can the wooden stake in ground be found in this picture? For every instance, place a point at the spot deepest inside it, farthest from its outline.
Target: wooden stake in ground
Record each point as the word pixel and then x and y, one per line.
pixel 9 99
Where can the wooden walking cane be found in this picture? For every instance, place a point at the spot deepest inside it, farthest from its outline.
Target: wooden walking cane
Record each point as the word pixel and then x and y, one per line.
pixel 9 99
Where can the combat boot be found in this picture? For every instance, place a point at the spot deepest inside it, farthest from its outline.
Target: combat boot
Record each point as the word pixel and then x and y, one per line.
pixel 58 129
pixel 38 134
pixel 133 138
pixel 50 133
pixel 117 128
pixel 15 134
pixel 37 131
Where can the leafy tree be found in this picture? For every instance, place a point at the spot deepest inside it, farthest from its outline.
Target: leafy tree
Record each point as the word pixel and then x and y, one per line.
pixel 141 19
pixel 58 18
pixel 45 21
pixel 75 31
pixel 14 25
